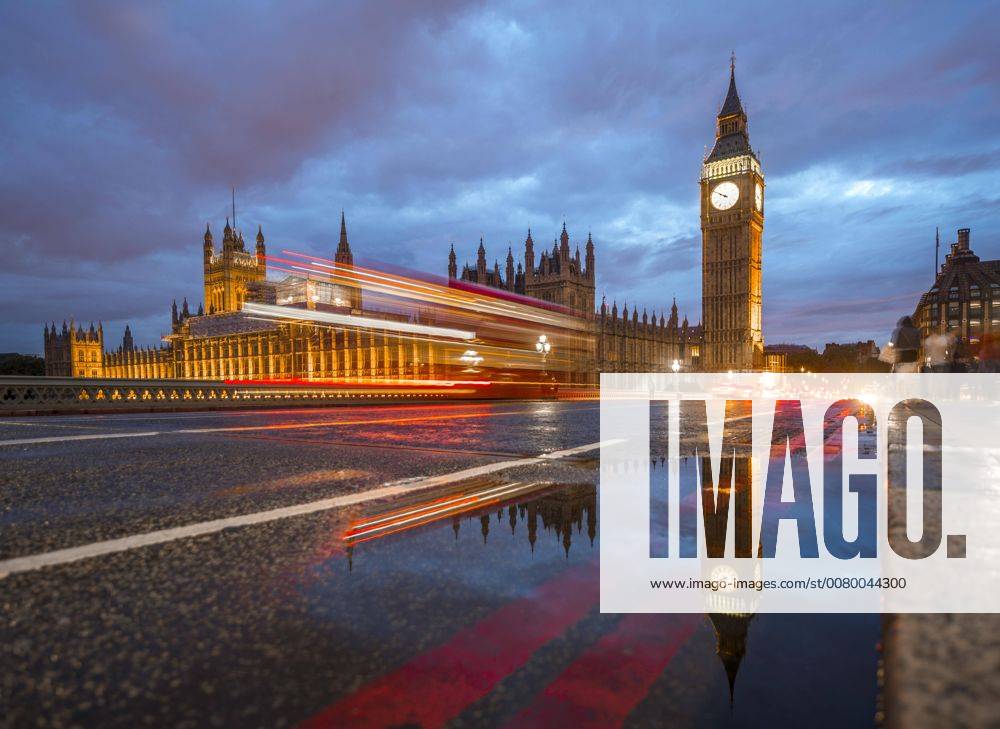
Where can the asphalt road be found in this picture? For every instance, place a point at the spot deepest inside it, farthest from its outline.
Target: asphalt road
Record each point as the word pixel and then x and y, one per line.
pixel 388 599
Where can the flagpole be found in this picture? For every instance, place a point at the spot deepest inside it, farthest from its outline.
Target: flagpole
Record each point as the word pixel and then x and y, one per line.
pixel 937 247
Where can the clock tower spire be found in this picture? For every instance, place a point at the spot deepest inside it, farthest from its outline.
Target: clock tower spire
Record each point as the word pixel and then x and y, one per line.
pixel 732 227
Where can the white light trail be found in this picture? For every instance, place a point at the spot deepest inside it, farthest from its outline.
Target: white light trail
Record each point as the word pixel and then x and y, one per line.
pixel 327 317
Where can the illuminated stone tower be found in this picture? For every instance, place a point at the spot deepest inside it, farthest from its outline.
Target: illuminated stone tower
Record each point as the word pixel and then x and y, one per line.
pixel 344 258
pixel 228 272
pixel 732 226
pixel 75 351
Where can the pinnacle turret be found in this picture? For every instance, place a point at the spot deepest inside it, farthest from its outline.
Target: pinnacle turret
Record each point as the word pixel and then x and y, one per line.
pixel 261 250
pixel 344 255
pixel 208 249
pixel 481 258
pixel 731 138
pixel 732 105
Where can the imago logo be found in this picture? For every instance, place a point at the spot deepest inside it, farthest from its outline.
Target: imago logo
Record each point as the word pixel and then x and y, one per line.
pixel 787 444
pixel 814 493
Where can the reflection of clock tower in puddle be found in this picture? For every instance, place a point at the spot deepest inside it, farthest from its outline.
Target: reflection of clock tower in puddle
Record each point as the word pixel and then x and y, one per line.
pixel 730 608
pixel 731 612
pixel 732 225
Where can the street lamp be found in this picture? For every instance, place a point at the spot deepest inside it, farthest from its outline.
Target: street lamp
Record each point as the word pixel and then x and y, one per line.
pixel 543 347
pixel 471 357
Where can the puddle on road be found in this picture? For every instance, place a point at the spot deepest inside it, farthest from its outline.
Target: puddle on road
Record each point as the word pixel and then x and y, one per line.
pixel 503 595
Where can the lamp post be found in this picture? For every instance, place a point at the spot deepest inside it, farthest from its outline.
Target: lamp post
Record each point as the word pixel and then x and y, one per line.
pixel 543 346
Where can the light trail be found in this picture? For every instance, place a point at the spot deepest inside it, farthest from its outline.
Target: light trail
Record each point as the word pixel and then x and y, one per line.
pixel 502 325
pixel 360 382
pixel 480 302
pixel 341 423
pixel 435 511
pixel 349 320
pixel 276 426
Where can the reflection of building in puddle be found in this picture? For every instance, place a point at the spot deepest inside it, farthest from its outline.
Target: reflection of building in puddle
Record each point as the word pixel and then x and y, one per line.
pixel 559 511
pixel 733 605
pixel 731 642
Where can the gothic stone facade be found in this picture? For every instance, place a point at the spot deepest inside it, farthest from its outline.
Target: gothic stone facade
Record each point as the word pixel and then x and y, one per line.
pixel 74 351
pixel 229 272
pixel 223 343
pixel 560 277
pixel 617 342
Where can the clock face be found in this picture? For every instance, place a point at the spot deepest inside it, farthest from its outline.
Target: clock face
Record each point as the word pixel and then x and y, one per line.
pixel 725 573
pixel 758 195
pixel 725 195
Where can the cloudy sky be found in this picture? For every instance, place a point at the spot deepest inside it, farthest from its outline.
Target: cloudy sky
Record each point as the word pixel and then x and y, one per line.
pixel 122 128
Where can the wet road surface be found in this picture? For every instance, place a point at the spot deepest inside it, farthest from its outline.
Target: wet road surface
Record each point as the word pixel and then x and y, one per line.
pixel 471 601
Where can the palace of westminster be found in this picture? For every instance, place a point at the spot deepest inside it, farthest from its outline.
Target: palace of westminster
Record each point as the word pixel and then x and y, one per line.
pixel 221 341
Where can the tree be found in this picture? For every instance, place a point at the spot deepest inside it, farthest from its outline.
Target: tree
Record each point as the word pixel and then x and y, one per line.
pixel 12 363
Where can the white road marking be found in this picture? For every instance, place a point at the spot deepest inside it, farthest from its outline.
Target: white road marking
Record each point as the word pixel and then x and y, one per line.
pixel 298 425
pixel 161 536
pixel 60 438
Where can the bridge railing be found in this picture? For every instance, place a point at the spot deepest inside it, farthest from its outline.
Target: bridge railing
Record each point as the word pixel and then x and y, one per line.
pixel 80 394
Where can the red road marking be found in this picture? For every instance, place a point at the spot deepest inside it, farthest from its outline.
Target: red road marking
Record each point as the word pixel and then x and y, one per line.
pixel 603 685
pixel 437 684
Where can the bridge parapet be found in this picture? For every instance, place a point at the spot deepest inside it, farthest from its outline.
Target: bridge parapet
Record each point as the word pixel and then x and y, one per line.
pixel 37 395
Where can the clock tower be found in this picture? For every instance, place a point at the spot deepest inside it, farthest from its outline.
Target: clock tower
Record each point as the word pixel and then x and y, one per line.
pixel 732 226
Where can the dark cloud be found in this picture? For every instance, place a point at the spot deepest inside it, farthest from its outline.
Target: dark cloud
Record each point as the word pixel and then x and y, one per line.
pixel 122 127
pixel 953 165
